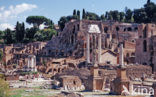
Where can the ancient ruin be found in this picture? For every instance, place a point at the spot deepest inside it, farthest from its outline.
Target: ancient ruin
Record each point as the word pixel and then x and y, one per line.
pixel 89 55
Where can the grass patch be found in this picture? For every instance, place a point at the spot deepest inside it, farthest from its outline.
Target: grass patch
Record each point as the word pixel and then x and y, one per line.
pixel 31 92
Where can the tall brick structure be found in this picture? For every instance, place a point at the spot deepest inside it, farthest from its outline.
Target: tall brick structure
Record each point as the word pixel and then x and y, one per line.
pixel 145 45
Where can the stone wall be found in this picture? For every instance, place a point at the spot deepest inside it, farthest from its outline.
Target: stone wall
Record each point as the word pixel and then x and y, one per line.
pixel 73 38
pixel 18 53
pixel 72 83
pixel 144 43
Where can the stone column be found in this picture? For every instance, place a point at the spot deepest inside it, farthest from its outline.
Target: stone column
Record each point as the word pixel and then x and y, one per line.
pixel 99 48
pixel 28 64
pixel 94 54
pixel 32 63
pixel 121 57
pixel 35 69
pixel 131 88
pixel 88 48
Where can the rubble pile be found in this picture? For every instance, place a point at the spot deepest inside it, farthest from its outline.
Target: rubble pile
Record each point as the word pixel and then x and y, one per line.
pixel 69 94
pixel 81 73
pixel 138 71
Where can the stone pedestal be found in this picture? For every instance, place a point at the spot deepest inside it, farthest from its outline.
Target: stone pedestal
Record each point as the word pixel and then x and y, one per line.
pixel 121 73
pixel 154 87
pixel 121 84
pixel 97 81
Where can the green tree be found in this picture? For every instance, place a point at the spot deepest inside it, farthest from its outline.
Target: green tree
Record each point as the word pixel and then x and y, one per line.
pixel 83 14
pixel 30 33
pixel 122 16
pixel 150 9
pixel 9 36
pixel 4 89
pixel 62 22
pixel 106 15
pixel 20 32
pixel 49 23
pixel 78 15
pixel 74 12
pixel 103 17
pixel 116 15
pixel 36 20
pixel 154 17
pixel 1 55
pixel 45 34
pixel 92 16
pixel 140 15
pixel 110 17
pixel 148 1
pixel 128 15
pixel 2 36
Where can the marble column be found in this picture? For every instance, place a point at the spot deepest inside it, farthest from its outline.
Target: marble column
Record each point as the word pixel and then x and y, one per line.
pixel 35 69
pixel 121 57
pixel 88 48
pixel 99 48
pixel 28 64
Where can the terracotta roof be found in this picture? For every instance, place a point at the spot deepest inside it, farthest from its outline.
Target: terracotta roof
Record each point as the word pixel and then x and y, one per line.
pixel 105 51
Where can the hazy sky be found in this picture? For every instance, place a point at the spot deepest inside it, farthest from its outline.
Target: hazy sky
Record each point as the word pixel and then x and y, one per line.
pixel 12 11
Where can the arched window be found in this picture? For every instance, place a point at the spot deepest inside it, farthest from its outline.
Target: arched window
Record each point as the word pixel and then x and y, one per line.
pixel 144 33
pixel 127 55
pixel 124 29
pixel 72 39
pixel 129 29
pixel 133 40
pixel 74 82
pixel 144 63
pixel 74 30
pixel 145 46
pixel 117 28
pixel 136 28
pixel 49 51
pixel 78 27
pixel 133 54
pixel 59 70
pixel 106 29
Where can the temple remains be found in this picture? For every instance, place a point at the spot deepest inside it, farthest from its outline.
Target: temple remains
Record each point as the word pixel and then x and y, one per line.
pixel 92 55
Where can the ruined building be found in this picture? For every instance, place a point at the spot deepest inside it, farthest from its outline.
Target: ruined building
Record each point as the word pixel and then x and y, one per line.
pixel 72 42
pixel 73 39
pixel 145 45
pixel 19 53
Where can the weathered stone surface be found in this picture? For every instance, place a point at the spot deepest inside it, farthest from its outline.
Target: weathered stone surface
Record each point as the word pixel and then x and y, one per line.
pixel 69 94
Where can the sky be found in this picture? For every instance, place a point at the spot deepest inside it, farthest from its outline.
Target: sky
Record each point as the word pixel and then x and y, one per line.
pixel 12 11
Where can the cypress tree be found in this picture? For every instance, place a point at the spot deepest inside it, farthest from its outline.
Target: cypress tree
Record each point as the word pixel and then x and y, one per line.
pixel 148 1
pixel 74 12
pixel 20 31
pixel 84 14
pixel 78 14
pixel 17 31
